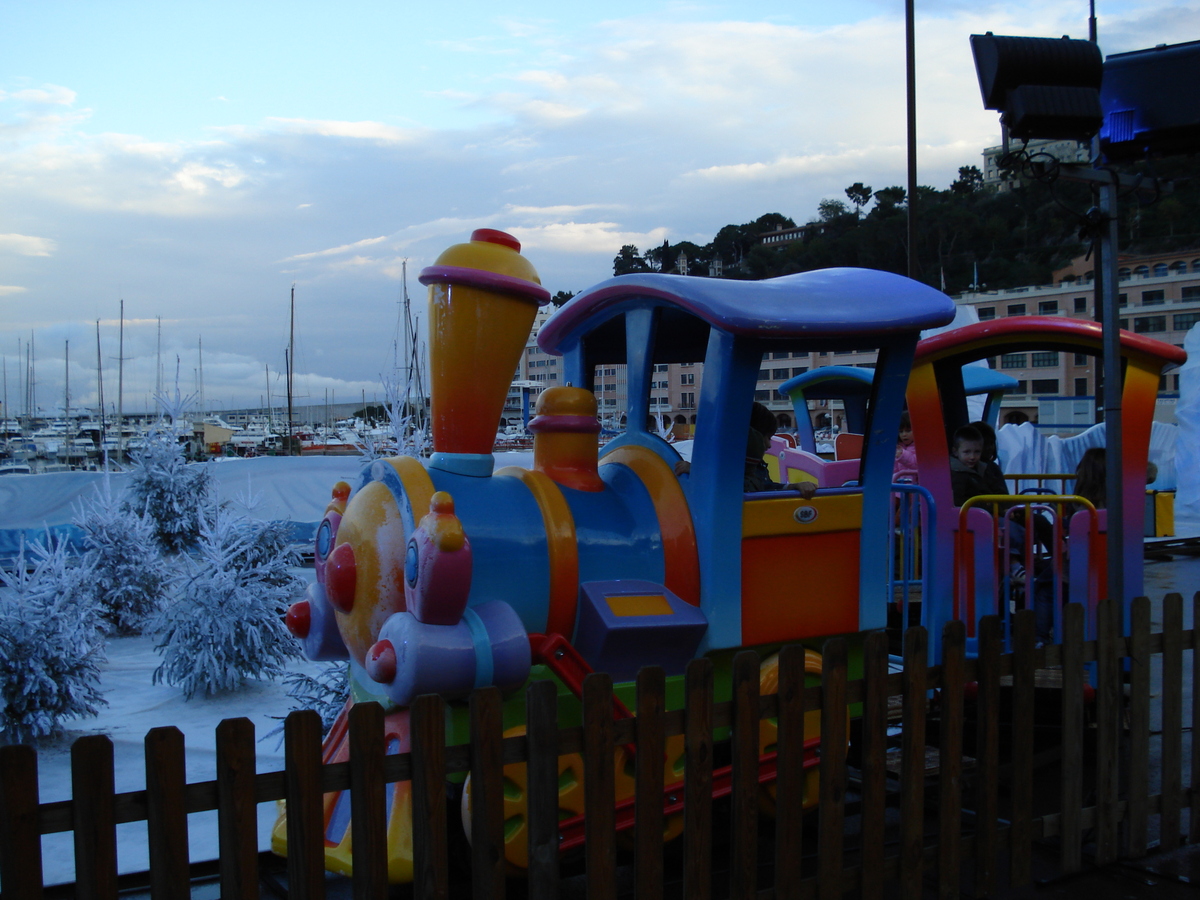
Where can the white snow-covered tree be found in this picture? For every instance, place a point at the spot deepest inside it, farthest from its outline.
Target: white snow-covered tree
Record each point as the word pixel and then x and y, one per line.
pixel 225 623
pixel 172 493
pixel 129 575
pixel 51 644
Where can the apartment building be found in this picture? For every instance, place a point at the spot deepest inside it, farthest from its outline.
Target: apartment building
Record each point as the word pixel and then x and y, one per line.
pixel 1158 295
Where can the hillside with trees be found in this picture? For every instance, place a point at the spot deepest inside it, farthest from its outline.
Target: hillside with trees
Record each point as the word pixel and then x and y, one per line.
pixel 966 232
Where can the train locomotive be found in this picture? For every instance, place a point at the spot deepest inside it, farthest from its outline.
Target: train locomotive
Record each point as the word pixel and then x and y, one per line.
pixel 451 575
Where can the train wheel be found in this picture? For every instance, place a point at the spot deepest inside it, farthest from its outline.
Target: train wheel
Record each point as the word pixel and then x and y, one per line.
pixel 570 794
pixel 768 729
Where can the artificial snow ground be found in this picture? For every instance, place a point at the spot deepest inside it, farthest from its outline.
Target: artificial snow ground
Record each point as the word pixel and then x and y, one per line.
pixel 135 706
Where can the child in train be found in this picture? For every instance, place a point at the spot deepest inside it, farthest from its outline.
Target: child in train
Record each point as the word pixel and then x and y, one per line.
pixel 970 476
pixel 756 476
pixel 905 465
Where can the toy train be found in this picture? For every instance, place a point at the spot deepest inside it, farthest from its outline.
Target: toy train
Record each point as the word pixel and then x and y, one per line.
pixel 454 575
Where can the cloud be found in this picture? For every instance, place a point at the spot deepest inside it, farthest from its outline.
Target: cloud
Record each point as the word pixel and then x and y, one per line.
pixel 27 245
pixel 370 131
pixel 6 289
pixel 585 237
pixel 335 251
pixel 47 95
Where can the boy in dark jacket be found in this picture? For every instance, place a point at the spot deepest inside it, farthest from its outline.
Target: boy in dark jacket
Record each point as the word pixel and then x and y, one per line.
pixel 970 476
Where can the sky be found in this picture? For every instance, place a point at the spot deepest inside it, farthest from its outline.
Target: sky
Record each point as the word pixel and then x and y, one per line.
pixel 195 161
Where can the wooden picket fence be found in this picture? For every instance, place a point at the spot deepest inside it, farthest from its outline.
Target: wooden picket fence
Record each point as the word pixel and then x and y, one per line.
pixel 971 821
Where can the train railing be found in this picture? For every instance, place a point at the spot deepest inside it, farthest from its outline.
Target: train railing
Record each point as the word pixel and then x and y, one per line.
pixel 911 824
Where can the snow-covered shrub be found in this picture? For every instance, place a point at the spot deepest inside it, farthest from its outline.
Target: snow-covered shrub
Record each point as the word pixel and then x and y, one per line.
pixel 129 575
pixel 326 692
pixel 172 493
pixel 51 645
pixel 225 621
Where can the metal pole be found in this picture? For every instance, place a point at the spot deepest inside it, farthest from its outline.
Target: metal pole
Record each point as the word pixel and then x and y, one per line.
pixel 1114 499
pixel 911 79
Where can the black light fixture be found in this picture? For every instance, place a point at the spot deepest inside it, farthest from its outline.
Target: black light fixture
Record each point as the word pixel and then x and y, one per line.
pixel 1044 87
pixel 1150 102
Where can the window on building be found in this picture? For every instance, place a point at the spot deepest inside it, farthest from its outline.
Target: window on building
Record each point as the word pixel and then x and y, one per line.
pixel 799 370
pixel 1081 304
pixel 1160 270
pixel 1015 309
pixel 1044 385
pixel 1122 299
pixel 1196 265
pixel 842 352
pixel 1185 321
pixel 762 395
pixel 1044 359
pixel 1179 267
pixel 1123 274
pixel 1082 359
pixel 1012 361
pixel 1047 307
pixel 764 374
pixel 780 374
pixel 553 376
pixel 1153 298
pixel 1081 387
pixel 1123 323
pixel 687 400
pixel 610 401
pixel 778 355
pixel 986 312
pixel 1149 324
pixel 1141 272
pixel 1175 382
pixel 1190 293
pixel 660 368
pixel 687 377
pixel 1018 388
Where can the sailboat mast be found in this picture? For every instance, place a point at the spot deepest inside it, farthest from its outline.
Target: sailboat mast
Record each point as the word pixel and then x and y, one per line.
pixel 200 351
pixel 291 363
pixel 158 369
pixel 100 391
pixel 270 416
pixel 67 396
pixel 121 388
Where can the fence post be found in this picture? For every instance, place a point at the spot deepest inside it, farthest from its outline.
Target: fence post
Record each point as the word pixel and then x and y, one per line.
pixel 541 717
pixel 487 794
pixel 912 763
pixel 874 763
pixel 20 836
pixel 1139 728
pixel 743 862
pixel 237 812
pixel 427 717
pixel 368 802
pixel 950 753
pixel 1021 784
pixel 1194 817
pixel 1108 728
pixel 834 733
pixel 1172 721
pixel 1071 817
pixel 166 814
pixel 648 811
pixel 697 808
pixel 305 805
pixel 791 781
pixel 599 752
pixel 93 817
pixel 987 754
